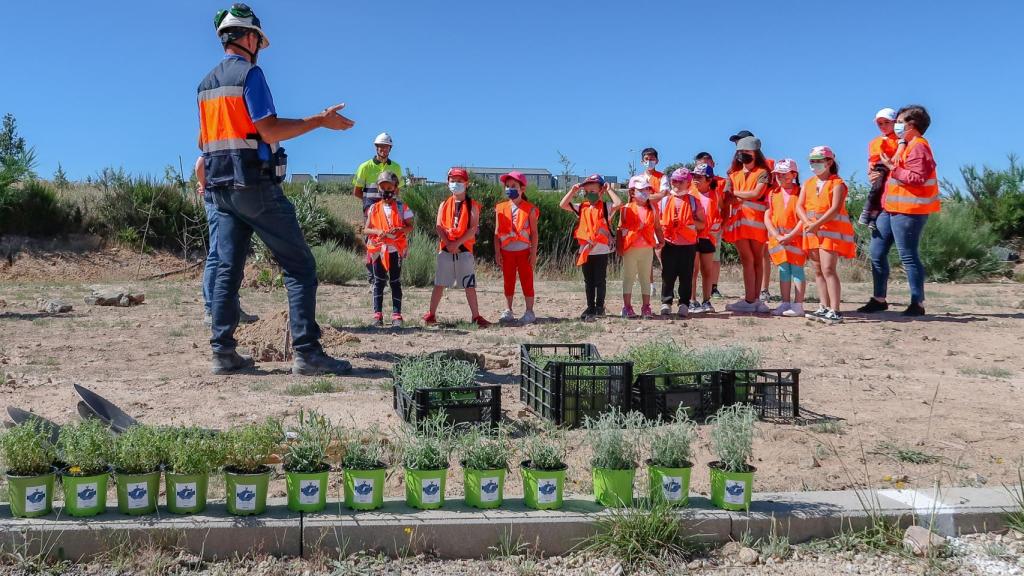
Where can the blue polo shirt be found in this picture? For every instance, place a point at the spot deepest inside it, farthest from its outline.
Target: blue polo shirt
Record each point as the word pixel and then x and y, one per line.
pixel 258 100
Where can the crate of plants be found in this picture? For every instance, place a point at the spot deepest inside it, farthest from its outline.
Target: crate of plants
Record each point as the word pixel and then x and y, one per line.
pixel 567 383
pixel 774 393
pixel 669 378
pixel 426 385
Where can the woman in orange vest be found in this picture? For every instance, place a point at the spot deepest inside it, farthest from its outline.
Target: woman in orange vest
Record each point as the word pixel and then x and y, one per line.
pixel 515 244
pixel 640 235
pixel 746 193
pixel 681 220
pixel 595 237
pixel 388 221
pixel 707 237
pixel 828 231
pixel 785 237
pixel 911 194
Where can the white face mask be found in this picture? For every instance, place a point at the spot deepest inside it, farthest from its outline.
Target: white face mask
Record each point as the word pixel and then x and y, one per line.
pixel 819 169
pixel 641 195
pixel 457 187
pixel 650 164
pixel 899 129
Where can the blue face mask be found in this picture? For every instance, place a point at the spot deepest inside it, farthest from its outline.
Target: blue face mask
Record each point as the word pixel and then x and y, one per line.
pixel 512 193
pixel 899 128
pixel 650 164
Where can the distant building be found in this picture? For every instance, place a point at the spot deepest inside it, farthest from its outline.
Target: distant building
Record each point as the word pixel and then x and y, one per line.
pixel 574 179
pixel 538 177
pixel 301 178
pixel 341 178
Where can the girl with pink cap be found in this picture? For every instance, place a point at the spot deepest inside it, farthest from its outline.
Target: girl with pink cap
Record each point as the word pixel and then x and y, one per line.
pixel 785 237
pixel 640 234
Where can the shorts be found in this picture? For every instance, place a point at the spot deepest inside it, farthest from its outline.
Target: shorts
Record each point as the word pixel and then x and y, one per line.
pixel 705 246
pixel 718 247
pixel 455 270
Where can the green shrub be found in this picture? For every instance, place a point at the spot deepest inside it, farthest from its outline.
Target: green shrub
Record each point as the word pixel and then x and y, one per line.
pixel 955 247
pixel 546 451
pixel 163 215
pixel 193 450
pixel 364 449
pixel 660 357
pixel 86 447
pixel 418 266
pixel 34 209
pixel 727 358
pixel 649 536
pixel 996 197
pixel 433 371
pixel 337 265
pixel 139 450
pixel 26 449
pixel 428 445
pixel 671 444
pixel 732 436
pixel 485 450
pixel 248 447
pixel 307 452
pixel 616 439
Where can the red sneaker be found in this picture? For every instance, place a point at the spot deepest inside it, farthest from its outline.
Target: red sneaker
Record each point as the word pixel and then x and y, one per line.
pixel 429 319
pixel 481 322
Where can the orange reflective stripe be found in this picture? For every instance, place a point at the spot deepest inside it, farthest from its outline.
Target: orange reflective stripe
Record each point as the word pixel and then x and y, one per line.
pixel 225 118
pixel 903 198
pixel 747 220
pixel 511 229
pixel 837 234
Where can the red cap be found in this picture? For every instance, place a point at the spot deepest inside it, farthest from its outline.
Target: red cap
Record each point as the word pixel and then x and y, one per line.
pixel 517 176
pixel 458 173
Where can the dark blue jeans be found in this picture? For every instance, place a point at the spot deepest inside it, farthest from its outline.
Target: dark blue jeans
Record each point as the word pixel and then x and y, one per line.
pixel 265 211
pixel 905 231
pixel 212 256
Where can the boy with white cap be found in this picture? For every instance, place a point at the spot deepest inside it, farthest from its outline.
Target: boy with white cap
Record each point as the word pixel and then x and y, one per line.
pixel 886 143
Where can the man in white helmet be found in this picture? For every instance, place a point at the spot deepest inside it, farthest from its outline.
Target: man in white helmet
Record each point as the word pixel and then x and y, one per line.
pixel 365 181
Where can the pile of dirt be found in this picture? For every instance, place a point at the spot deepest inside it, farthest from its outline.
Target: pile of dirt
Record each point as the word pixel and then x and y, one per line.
pixel 268 339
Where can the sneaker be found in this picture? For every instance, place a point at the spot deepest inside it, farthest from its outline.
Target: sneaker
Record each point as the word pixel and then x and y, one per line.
pixel 683 312
pixel 378 319
pixel 396 320
pixel 873 306
pixel 230 363
pixel 646 312
pixel 528 317
pixel 760 307
pixel 319 364
pixel 794 310
pixel 695 308
pixel 507 317
pixel 628 312
pixel 766 296
pixel 480 322
pixel 588 314
pixel 246 318
pixel 914 309
pixel 817 314
pixel 707 308
pixel 429 319
pixel 781 309
pixel 666 309
pixel 741 305
pixel 715 293
pixel 833 317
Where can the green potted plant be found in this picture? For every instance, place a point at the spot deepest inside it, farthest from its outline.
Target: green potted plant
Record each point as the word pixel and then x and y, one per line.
pixel 732 438
pixel 544 468
pixel 306 463
pixel 668 469
pixel 485 456
pixel 246 474
pixel 192 454
pixel 426 449
pixel 615 438
pixel 365 457
pixel 28 457
pixel 138 455
pixel 87 449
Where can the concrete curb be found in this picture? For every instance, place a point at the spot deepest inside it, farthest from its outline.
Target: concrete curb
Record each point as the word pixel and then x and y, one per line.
pixel 458 531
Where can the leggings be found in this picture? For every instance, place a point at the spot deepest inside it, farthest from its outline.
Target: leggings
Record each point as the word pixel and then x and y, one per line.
pixel 392 277
pixel 677 265
pixel 638 265
pixel 791 273
pixel 517 262
pixel 595 275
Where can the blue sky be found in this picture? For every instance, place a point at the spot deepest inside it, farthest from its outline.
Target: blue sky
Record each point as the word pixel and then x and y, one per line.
pixel 97 84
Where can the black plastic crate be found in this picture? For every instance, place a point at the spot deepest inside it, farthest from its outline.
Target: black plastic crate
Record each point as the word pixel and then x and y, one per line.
pixel 568 391
pixel 660 395
pixel 470 405
pixel 775 394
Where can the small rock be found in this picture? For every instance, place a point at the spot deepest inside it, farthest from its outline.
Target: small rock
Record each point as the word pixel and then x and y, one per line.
pixel 56 306
pixel 920 540
pixel 748 556
pixel 731 549
pixel 695 564
pixel 492 362
pixel 123 297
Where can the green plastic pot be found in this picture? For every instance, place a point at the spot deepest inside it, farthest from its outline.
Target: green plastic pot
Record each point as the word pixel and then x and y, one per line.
pixel 307 491
pixel 671 485
pixel 186 493
pixel 731 490
pixel 364 489
pixel 246 493
pixel 137 493
pixel 30 496
pixel 613 488
pixel 543 489
pixel 424 489
pixel 484 488
pixel 84 495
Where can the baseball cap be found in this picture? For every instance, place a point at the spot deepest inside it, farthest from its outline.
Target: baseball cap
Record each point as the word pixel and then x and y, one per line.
pixel 821 153
pixel 387 176
pixel 514 175
pixel 740 135
pixel 594 179
pixel 459 173
pixel 887 113
pixel 748 144
pixel 702 169
pixel 681 175
pixel 785 165
pixel 639 183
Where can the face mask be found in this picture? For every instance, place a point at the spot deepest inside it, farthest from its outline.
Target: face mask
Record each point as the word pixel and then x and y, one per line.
pixel 641 195
pixel 819 168
pixel 650 164
pixel 512 193
pixel 744 157
pixel 387 194
pixel 899 128
pixel 457 187
pixel 591 197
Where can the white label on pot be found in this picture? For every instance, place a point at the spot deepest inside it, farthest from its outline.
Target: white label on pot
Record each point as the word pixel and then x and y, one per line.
pixel 431 491
pixel 138 495
pixel 35 498
pixel 362 490
pixel 490 489
pixel 309 491
pixel 735 490
pixel 245 496
pixel 86 495
pixel 185 494
pixel 672 488
pixel 547 490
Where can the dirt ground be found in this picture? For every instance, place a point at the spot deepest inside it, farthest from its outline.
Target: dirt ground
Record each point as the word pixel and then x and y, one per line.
pixel 950 385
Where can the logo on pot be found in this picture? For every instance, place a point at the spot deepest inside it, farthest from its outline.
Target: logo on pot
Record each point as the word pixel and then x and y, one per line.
pixel 672 486
pixel 547 488
pixel 137 493
pixel 735 489
pixel 310 489
pixel 36 497
pixel 432 489
pixel 245 495
pixel 364 488
pixel 87 494
pixel 490 488
pixel 186 493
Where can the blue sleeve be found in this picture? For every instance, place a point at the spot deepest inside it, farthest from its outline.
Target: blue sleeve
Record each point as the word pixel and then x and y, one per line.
pixel 258 99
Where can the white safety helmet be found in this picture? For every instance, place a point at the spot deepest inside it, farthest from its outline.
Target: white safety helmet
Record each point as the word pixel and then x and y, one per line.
pixel 239 16
pixel 382 139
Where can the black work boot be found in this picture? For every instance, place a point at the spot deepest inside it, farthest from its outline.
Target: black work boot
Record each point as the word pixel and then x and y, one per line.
pixel 231 362
pixel 319 363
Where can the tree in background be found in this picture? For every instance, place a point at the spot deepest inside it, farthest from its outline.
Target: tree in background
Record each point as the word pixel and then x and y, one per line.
pixel 60 178
pixel 17 159
pixel 567 167
pixel 996 195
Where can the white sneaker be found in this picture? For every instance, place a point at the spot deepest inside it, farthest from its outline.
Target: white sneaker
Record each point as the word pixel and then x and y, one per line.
pixel 528 317
pixel 781 309
pixel 507 317
pixel 707 308
pixel 817 314
pixel 833 317
pixel 695 308
pixel 794 310
pixel 666 309
pixel 761 308
pixel 765 295
pixel 742 306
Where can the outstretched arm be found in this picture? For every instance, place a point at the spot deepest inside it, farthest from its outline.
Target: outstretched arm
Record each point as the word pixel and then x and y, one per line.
pixel 273 129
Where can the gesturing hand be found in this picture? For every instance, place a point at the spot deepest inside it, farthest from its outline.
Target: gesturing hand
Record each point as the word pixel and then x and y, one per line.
pixel 334 121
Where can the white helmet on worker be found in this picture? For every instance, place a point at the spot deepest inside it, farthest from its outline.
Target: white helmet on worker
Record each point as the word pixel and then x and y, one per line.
pixel 236 21
pixel 382 139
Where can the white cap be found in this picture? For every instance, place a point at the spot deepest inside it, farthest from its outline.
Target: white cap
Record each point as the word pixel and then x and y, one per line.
pixel 382 139
pixel 887 113
pixel 251 22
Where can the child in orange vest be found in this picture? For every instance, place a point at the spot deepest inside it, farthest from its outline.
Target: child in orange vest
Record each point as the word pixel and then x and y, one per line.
pixel 746 192
pixel 828 231
pixel 640 235
pixel 515 244
pixel 702 178
pixel 595 237
pixel 681 220
pixel 785 237
pixel 388 221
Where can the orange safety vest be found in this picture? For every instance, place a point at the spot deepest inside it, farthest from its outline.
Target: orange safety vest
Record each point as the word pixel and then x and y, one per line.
pixel 655 179
pixel 678 222
pixel 633 227
pixel 747 219
pixel 882 145
pixel 381 242
pixel 511 229
pixel 593 226
pixel 453 229
pixel 712 216
pixel 783 217
pixel 836 235
pixel 902 198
